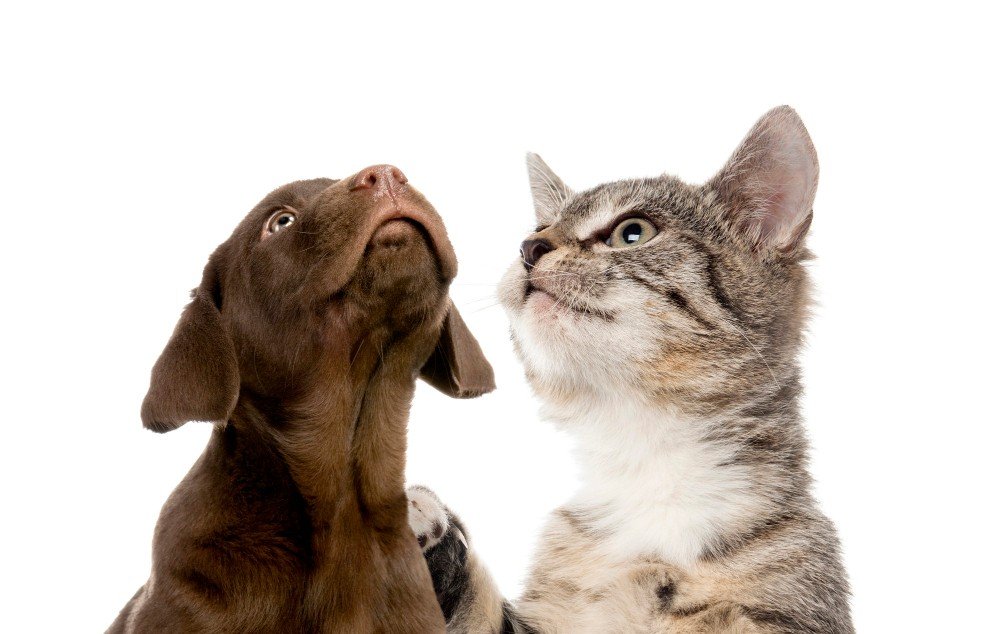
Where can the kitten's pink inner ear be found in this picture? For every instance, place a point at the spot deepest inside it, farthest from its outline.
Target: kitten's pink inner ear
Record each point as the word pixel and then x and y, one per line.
pixel 769 184
pixel 789 205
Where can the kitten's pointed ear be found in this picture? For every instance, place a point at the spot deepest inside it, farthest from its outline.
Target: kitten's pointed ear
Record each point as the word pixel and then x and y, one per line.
pixel 457 366
pixel 769 184
pixel 547 190
pixel 197 375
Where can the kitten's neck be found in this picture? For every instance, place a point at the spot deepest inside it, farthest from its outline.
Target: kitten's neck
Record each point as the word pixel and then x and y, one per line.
pixel 659 482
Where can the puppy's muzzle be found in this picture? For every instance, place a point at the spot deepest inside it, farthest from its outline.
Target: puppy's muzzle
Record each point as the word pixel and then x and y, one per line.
pixel 396 201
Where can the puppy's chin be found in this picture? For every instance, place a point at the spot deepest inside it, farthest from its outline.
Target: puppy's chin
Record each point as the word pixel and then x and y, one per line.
pixel 397 235
pixel 401 256
pixel 399 275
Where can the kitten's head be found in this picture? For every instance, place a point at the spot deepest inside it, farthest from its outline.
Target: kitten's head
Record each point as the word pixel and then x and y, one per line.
pixel 690 295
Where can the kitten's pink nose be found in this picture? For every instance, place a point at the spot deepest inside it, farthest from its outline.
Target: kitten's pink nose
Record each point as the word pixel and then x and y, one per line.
pixel 378 177
pixel 533 250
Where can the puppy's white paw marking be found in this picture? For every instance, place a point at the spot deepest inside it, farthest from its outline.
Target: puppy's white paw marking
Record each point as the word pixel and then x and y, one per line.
pixel 428 517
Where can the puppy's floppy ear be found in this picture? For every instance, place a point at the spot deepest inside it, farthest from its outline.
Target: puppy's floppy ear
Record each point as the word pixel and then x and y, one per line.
pixel 197 375
pixel 457 366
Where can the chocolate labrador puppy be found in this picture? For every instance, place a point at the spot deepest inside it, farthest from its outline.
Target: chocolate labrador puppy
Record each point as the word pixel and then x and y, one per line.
pixel 302 344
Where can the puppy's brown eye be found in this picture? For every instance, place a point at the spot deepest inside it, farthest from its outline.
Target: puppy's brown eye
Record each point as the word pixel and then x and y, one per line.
pixel 279 220
pixel 631 232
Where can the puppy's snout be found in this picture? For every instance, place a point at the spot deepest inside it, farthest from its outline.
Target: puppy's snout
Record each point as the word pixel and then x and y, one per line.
pixel 378 177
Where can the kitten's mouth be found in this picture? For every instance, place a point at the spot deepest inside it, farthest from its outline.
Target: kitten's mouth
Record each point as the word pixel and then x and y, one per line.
pixel 531 288
pixel 550 301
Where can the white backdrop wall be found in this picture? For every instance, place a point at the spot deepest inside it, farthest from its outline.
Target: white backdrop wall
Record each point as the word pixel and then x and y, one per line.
pixel 135 137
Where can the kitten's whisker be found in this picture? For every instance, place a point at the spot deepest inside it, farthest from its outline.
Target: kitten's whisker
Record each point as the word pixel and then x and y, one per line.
pixel 487 307
pixel 755 349
pixel 557 301
pixel 536 278
pixel 479 300
pixel 552 274
pixel 591 287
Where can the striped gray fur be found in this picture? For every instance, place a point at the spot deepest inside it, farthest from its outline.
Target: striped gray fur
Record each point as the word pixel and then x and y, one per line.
pixel 674 363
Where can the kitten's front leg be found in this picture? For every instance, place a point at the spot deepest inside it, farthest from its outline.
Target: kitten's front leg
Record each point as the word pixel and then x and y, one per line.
pixel 468 596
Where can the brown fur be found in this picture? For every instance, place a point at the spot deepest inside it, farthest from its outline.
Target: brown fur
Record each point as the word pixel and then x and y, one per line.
pixel 303 347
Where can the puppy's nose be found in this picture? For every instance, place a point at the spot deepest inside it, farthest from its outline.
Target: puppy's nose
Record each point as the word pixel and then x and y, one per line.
pixel 378 177
pixel 533 250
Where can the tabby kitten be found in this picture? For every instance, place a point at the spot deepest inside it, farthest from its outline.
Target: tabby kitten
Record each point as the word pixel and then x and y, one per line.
pixel 660 323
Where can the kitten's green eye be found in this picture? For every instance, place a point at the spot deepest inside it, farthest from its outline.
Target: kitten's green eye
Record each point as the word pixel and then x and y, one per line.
pixel 631 232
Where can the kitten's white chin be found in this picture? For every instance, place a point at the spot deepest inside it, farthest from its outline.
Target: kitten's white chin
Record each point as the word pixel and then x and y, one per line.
pixel 568 349
pixel 542 304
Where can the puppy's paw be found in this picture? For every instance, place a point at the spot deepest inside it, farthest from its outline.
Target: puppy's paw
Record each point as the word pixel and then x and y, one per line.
pixel 428 516
pixel 441 536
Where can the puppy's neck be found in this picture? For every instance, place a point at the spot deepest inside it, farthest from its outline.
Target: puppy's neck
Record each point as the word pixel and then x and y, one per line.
pixel 343 438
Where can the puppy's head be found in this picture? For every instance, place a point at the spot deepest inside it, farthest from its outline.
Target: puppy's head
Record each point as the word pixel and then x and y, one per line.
pixel 317 272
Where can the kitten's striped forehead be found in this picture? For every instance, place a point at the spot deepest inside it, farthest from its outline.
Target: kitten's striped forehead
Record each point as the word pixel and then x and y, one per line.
pixel 593 210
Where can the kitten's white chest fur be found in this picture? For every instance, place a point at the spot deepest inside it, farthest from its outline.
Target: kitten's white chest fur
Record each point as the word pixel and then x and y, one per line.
pixel 652 486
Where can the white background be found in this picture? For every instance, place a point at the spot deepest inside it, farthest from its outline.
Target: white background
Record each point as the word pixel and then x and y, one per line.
pixel 134 139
